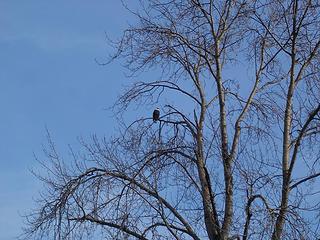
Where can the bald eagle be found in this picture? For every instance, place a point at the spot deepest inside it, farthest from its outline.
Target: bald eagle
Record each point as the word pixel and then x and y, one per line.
pixel 156 115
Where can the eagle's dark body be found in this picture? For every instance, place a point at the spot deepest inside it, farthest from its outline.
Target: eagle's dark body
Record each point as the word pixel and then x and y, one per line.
pixel 156 115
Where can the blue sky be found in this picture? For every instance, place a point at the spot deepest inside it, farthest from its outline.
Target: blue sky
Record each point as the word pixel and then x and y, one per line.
pixel 49 78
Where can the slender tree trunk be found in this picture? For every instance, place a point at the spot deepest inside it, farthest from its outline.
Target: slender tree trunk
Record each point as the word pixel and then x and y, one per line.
pixel 286 175
pixel 210 214
pixel 227 161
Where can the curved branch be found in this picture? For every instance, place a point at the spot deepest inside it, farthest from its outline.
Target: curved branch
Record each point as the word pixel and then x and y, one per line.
pixel 304 180
pixel 152 193
pixel 110 224
pixel 311 116
pixel 249 214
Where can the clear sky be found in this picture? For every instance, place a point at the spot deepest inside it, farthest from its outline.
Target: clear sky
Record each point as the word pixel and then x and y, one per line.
pixel 48 78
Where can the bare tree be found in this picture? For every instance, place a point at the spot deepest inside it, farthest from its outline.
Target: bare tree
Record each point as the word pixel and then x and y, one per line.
pixel 235 154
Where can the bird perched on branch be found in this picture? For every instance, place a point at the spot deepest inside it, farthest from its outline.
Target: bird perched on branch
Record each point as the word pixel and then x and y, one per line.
pixel 156 115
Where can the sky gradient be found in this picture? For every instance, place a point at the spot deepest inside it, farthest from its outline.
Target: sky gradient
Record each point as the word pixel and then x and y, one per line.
pixel 49 79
